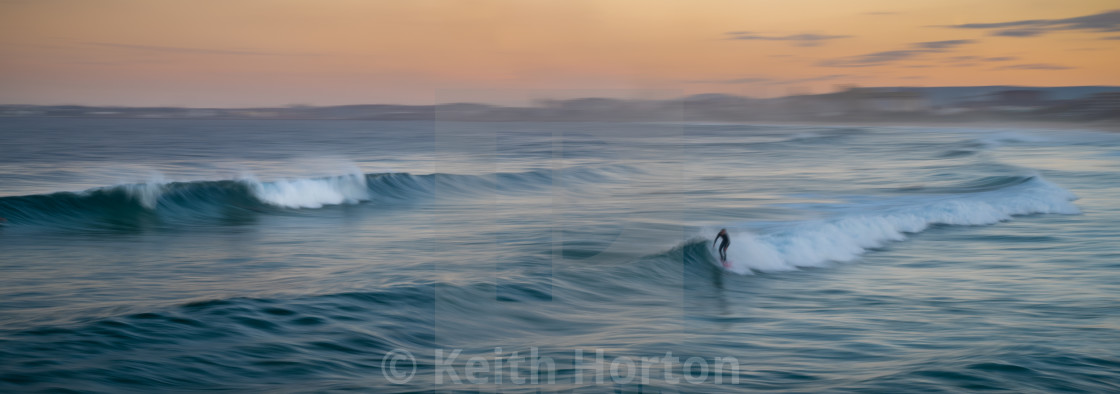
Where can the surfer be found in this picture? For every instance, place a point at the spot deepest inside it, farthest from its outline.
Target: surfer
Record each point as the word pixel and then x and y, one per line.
pixel 722 245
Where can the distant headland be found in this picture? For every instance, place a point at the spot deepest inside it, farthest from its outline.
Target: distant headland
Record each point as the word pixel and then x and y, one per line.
pixel 1077 104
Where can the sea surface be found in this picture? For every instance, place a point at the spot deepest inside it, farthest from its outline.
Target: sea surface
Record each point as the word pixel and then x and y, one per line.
pixel 148 255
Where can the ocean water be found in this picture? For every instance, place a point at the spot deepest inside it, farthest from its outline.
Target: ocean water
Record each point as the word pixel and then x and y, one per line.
pixel 307 256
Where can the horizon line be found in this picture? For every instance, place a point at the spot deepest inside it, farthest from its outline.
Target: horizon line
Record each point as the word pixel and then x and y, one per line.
pixel 299 105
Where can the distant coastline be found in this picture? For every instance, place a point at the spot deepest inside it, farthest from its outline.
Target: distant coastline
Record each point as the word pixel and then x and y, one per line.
pixel 1080 106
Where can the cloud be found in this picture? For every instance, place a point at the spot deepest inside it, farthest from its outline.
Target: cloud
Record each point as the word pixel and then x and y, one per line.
pixel 870 59
pixel 1018 32
pixel 813 79
pixel 1035 22
pixel 769 81
pixel 804 40
pixel 154 48
pixel 915 50
pixel 1035 66
pixel 1112 38
pixel 735 81
pixel 873 59
pixel 962 61
pixel 969 60
pixel 941 44
pixel 1104 22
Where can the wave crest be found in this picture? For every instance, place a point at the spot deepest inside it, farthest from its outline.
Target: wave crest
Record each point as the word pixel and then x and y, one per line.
pixel 162 202
pixel 846 238
pixel 313 193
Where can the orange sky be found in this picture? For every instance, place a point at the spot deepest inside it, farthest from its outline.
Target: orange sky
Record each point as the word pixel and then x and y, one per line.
pixel 323 52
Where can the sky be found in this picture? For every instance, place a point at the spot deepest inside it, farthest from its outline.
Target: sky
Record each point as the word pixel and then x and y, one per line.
pixel 243 53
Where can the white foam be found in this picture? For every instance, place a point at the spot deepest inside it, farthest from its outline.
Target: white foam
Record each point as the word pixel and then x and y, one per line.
pixel 147 193
pixel 848 237
pixel 313 192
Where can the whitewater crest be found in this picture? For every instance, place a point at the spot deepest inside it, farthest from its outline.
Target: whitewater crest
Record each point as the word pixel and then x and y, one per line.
pixel 847 237
pixel 284 193
pixel 165 201
pixel 312 193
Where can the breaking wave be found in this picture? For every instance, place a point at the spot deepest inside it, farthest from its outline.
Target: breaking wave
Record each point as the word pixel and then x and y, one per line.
pixel 140 204
pixel 847 237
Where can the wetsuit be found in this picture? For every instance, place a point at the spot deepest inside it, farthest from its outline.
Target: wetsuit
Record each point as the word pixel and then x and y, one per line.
pixel 726 241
